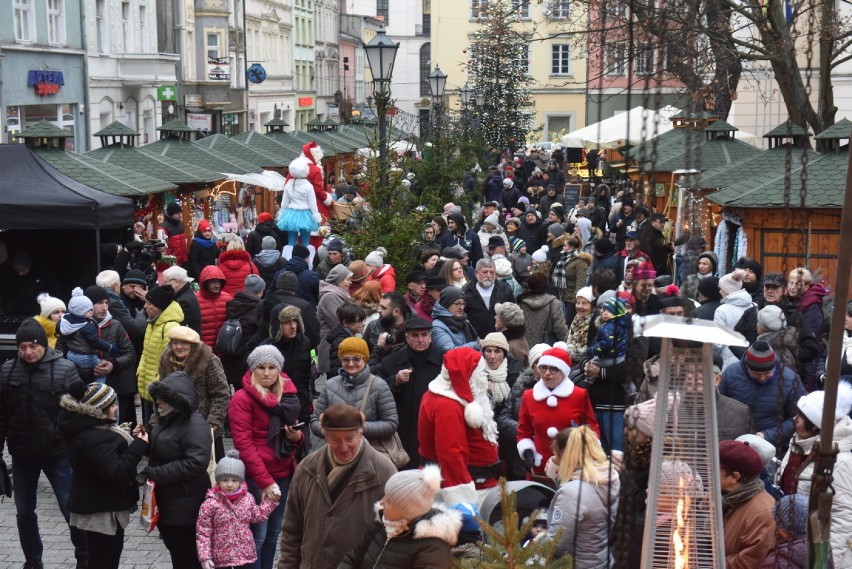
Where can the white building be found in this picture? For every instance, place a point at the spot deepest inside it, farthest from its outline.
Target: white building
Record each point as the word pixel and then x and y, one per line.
pixel 327 26
pixel 269 45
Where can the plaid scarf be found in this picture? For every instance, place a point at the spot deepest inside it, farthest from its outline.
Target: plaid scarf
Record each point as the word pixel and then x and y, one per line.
pixel 558 278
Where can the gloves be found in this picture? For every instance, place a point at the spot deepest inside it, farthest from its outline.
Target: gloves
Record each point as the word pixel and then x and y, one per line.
pixel 327 201
pixel 207 564
pixel 529 459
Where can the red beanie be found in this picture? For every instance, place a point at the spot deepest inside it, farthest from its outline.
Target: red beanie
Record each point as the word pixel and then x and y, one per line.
pixel 264 217
pixel 204 225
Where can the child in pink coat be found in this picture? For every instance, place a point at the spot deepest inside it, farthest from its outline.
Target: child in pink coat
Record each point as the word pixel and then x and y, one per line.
pixel 223 536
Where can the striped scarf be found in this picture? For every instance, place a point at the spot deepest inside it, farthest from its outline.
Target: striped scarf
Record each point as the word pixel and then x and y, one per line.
pixel 558 278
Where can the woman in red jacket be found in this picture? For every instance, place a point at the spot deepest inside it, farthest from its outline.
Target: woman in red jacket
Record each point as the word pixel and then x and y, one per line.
pixel 263 417
pixel 236 265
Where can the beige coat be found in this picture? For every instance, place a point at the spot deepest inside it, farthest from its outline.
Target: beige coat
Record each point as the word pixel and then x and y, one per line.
pixel 318 533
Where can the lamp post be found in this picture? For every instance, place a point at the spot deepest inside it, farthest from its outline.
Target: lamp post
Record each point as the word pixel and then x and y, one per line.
pixel 465 93
pixel 381 54
pixel 437 82
pixel 479 98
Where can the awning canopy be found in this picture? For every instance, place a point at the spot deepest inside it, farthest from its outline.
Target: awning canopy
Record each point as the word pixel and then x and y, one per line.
pixel 624 129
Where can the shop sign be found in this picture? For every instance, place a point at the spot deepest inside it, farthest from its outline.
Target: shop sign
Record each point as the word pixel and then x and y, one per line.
pixel 200 121
pixel 218 68
pixel 193 100
pixel 306 101
pixel 45 82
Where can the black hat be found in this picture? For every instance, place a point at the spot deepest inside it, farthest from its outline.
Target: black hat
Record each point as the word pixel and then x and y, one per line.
pixel 301 251
pixel 709 288
pixel 774 279
pixel 450 295
pixel 496 241
pixel 558 211
pixel 417 323
pixel 603 246
pixel 31 331
pixel 97 293
pixel 415 277
pixel 161 296
pixel 436 282
pixel 173 208
pixel 658 217
pixel 135 276
pixel 451 253
pixel 752 265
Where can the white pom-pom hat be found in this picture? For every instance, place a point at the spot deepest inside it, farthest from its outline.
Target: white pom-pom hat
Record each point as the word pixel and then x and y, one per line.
pixel 413 492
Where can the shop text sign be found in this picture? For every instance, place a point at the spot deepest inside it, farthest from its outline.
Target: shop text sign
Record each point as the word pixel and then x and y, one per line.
pixel 45 82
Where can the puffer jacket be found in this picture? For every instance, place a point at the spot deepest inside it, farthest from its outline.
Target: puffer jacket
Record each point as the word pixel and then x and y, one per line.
pixel 179 450
pixel 446 338
pixel 380 411
pixel 428 545
pixel 50 329
pixel 331 297
pixel 249 418
pixel 576 274
pixel 29 405
pixel 732 307
pixel 208 378
pixel 386 277
pixel 841 507
pixel 585 513
pixel 152 348
pixel 236 265
pixel 222 532
pixel 543 315
pixel 214 309
pixel 104 460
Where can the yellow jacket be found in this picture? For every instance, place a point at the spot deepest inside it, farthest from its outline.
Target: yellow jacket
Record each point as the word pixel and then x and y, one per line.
pixel 155 343
pixel 49 328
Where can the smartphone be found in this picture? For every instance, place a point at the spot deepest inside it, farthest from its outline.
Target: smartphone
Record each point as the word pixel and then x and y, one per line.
pixel 297 425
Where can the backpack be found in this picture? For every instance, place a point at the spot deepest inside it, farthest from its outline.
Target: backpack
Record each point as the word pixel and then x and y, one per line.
pixel 230 341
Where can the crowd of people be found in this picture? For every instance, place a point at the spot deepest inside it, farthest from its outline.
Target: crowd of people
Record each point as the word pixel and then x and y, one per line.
pixel 508 350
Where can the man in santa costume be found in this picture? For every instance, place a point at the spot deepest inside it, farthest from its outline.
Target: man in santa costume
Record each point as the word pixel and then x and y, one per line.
pixel 313 153
pixel 554 403
pixel 456 428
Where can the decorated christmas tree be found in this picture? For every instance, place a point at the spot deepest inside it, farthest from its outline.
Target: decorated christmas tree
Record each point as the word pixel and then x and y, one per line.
pixel 498 67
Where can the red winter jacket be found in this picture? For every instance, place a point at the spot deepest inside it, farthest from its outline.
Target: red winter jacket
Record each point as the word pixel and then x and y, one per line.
pixel 213 310
pixel 249 425
pixel 236 265
pixel 386 277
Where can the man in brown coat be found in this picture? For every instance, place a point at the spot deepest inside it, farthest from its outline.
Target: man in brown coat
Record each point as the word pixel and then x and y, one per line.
pixel 747 508
pixel 332 493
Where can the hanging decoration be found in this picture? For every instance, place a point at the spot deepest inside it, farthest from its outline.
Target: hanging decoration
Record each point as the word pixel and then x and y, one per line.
pixel 722 242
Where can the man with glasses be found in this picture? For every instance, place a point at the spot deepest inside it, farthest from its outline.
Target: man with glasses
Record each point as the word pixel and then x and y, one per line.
pixel 179 280
pixel 646 302
pixel 30 388
pixel 408 372
pixel 483 295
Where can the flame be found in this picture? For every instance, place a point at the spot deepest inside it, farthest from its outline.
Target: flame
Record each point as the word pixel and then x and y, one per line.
pixel 681 544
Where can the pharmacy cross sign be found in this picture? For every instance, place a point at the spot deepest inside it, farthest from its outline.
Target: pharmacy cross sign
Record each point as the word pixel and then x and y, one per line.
pixel 166 93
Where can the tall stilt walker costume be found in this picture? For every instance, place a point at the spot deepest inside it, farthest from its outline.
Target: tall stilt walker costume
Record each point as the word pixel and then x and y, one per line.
pixel 299 215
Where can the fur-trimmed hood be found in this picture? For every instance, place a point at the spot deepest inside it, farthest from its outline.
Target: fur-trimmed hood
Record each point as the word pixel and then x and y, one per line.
pixel 196 363
pixel 292 312
pixel 76 417
pixel 178 391
pixel 439 522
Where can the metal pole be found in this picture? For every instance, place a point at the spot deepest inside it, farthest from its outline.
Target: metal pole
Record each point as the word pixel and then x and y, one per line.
pixel 381 106
pixel 819 505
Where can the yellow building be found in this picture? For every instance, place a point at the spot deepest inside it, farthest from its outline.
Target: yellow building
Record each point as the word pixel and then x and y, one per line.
pixel 557 64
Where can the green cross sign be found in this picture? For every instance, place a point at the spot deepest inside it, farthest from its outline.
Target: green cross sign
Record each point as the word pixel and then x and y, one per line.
pixel 166 93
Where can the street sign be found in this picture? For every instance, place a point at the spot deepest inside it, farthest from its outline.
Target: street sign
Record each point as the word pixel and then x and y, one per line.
pixel 228 119
pixel 167 93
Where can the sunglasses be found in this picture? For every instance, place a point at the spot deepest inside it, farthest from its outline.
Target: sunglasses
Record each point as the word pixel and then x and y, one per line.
pixel 351 360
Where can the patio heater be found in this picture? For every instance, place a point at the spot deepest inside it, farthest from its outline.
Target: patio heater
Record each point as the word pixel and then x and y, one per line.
pixel 683 523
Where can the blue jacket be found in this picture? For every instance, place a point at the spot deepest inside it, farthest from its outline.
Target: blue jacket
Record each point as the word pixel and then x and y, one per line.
pixel 446 338
pixel 772 404
pixel 611 341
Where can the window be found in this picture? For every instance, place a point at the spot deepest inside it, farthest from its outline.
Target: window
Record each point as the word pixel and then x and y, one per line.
pixel 615 64
pixel 558 9
pixel 143 29
pixel 55 22
pixel 382 10
pixel 476 8
pixel 24 20
pixel 523 58
pixel 560 60
pixel 214 41
pixel 613 10
pixel 521 8
pixel 101 25
pixel 644 64
pixel 125 26
pixel 425 61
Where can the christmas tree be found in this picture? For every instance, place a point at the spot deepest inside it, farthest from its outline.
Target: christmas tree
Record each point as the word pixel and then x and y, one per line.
pixel 498 67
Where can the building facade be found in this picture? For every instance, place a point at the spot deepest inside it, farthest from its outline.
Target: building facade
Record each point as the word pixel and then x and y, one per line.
pixel 269 45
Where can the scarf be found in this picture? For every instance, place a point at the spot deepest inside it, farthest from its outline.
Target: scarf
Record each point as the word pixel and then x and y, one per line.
pixel 460 324
pixel 285 413
pixel 558 278
pixel 178 365
pixel 123 430
pixel 339 470
pixel 206 243
pixel 578 333
pixel 742 494
pixel 498 387
pixel 427 303
pixel 239 493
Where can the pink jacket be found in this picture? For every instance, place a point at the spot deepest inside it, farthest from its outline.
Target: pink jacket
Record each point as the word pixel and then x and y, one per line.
pixel 222 532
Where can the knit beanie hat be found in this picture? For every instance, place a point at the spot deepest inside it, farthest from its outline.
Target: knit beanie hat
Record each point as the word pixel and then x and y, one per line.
pixel 97 293
pixel 254 284
pixel 268 243
pixel 204 225
pixel 627 297
pixel 353 346
pixel 764 448
pixel 751 265
pixel 264 217
pixel 536 352
pixel 517 244
pixel 603 246
pixel 730 283
pixel 31 331
pixel 510 313
pixel 335 245
pixel 557 357
pixel 79 304
pixel 231 466
pixel 99 396
pixel 541 255
pixel 338 274
pixel 709 288
pixel 413 492
pixel 508 182
pixel 760 357
pixel 791 514
pixel 615 306
pixel 494 340
pixel 642 417
pixel 772 318
pixel 450 295
pixel 673 472
pixel 161 296
pixel 495 241
pixel 376 258
pixel 287 282
pixel 737 456
pixel 502 266
pixel 300 251
pixel 558 210
pixel 184 334
pixel 49 304
pixel 812 404
pixel 267 354
pixel 173 208
pixel 556 229
pixel 586 292
pixel 135 276
pixel 493 220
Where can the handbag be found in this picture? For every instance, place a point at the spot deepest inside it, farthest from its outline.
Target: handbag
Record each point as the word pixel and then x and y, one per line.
pixel 392 445
pixel 149 514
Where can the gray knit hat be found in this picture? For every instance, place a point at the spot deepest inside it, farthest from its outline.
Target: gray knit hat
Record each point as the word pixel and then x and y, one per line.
pixel 338 274
pixel 510 313
pixel 254 284
pixel 265 355
pixel 287 282
pixel 268 243
pixel 231 465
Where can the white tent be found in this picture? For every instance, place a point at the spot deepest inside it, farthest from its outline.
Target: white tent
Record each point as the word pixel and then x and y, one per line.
pixel 623 128
pixel 265 178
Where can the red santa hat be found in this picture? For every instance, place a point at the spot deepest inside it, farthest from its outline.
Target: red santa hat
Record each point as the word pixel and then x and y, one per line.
pixel 557 357
pixel 460 364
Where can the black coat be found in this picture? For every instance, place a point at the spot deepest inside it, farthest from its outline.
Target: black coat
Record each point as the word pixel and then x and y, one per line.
pixel 200 257
pixel 254 241
pixel 308 280
pixel 297 366
pixel 534 235
pixel 104 464
pixel 409 394
pixel 335 338
pixel 279 297
pixel 29 405
pixel 180 446
pixel 242 307
pixel 191 309
pixel 507 425
pixel 480 316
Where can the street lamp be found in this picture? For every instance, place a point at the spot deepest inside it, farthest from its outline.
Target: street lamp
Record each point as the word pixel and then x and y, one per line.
pixel 381 54
pixel 480 98
pixel 465 93
pixel 437 82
